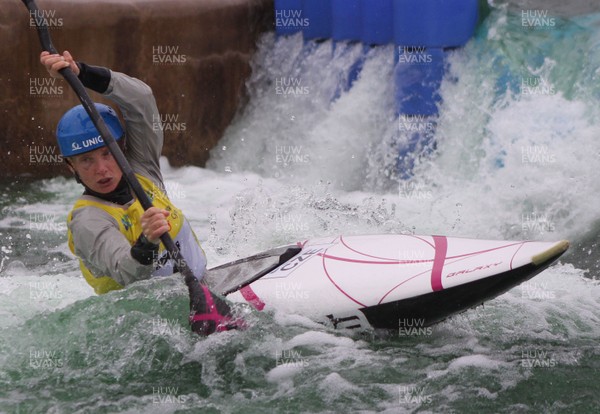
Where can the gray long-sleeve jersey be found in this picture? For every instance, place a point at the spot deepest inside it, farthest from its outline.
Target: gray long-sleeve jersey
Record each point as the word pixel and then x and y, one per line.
pixel 98 242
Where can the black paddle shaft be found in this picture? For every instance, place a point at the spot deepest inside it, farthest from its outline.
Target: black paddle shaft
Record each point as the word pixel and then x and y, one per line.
pixel 42 29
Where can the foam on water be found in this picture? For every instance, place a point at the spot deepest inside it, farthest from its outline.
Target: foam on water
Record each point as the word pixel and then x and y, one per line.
pixel 306 137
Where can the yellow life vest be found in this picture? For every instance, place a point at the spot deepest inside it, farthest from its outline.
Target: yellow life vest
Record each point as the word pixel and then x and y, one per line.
pixel 130 226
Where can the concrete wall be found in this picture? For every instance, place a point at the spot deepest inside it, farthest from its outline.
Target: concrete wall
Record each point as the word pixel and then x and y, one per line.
pixel 194 54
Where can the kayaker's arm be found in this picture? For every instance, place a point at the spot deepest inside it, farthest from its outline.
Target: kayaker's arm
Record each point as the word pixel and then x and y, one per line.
pixel 105 251
pixel 95 78
pixel 142 123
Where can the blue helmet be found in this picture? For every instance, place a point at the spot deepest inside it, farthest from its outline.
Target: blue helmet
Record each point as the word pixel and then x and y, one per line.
pixel 77 134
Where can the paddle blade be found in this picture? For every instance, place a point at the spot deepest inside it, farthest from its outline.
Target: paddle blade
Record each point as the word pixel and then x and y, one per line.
pixel 209 313
pixel 232 276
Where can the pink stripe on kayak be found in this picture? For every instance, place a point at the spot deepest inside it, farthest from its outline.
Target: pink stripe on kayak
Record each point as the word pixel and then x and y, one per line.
pixel 441 248
pixel 514 254
pixel 324 256
pixel 251 298
pixel 361 253
pixel 397 262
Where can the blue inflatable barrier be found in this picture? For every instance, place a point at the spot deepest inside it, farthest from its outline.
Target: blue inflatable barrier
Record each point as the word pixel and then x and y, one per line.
pixel 353 73
pixel 346 19
pixel 377 22
pixel 418 74
pixel 289 17
pixel 434 23
pixel 347 25
pixel 421 31
pixel 318 13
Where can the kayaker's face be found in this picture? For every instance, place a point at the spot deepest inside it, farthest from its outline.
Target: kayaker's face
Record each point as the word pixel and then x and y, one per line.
pixel 97 169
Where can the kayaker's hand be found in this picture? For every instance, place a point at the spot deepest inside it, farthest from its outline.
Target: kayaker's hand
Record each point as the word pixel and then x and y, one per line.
pixel 54 63
pixel 155 224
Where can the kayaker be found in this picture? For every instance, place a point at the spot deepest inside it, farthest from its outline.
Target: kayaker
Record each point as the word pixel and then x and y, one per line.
pixel 116 241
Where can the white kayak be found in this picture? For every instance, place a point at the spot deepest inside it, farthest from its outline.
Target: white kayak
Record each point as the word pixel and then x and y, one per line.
pixel 382 281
